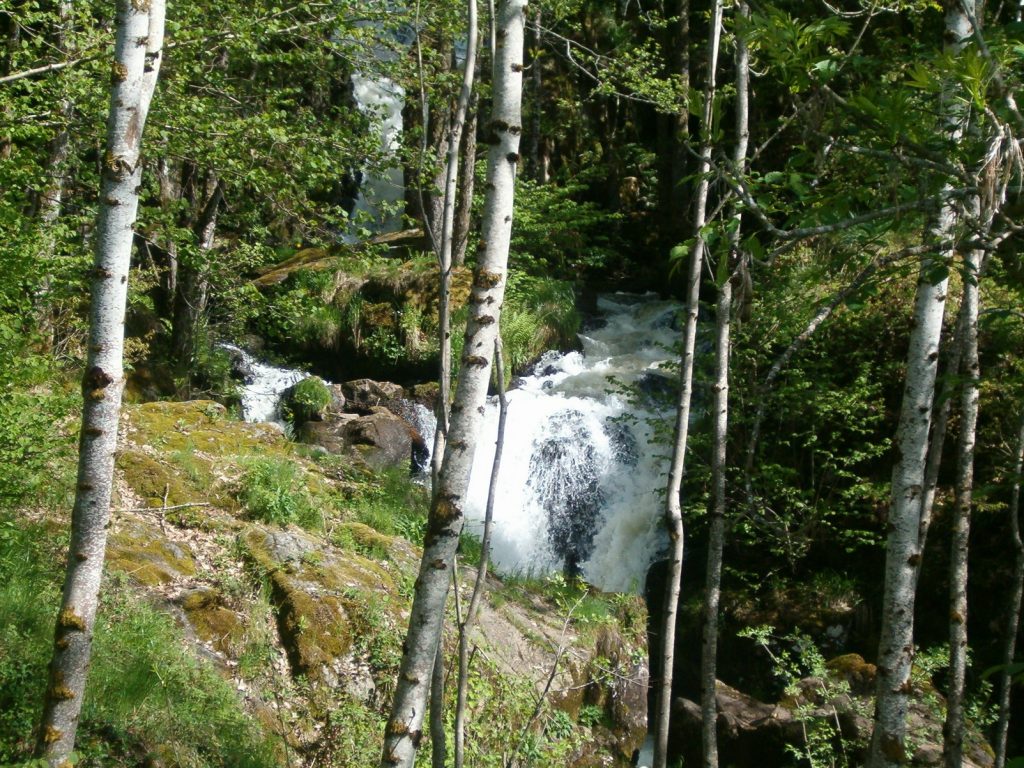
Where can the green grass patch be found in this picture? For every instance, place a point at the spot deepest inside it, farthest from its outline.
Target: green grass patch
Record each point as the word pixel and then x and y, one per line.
pixel 390 502
pixel 274 491
pixel 146 693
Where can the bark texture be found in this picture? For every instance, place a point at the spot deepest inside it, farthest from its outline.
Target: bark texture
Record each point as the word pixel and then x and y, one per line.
pixel 1013 609
pixel 673 502
pixel 481 571
pixel 907 518
pixel 953 746
pixel 136 65
pixel 404 729
pixel 733 266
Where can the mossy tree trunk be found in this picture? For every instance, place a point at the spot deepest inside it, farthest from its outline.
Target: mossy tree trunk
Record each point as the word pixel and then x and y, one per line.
pixel 673 501
pixel 444 524
pixel 136 65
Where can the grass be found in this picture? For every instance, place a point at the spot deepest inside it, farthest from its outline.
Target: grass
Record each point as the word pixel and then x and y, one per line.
pixel 274 491
pixel 146 692
pixel 390 503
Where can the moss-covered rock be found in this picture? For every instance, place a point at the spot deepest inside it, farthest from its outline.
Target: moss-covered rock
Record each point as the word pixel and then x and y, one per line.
pixel 141 551
pixel 323 598
pixel 212 621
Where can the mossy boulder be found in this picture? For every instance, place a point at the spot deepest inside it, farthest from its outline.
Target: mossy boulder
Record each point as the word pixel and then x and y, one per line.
pixel 145 554
pixel 325 600
pixel 212 620
pixel 199 426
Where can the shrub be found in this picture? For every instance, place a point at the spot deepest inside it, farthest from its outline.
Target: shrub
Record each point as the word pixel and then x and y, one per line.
pixel 308 401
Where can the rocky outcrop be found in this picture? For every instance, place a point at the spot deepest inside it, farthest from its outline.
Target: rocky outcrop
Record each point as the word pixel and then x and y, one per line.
pixel 324 602
pixel 363 395
pixel 308 624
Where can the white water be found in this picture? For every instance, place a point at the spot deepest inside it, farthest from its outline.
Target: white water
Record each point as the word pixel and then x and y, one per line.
pixel 263 386
pixel 577 481
pixel 381 196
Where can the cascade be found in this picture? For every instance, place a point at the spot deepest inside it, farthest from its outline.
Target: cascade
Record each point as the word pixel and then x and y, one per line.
pixel 262 385
pixel 580 485
pixel 381 195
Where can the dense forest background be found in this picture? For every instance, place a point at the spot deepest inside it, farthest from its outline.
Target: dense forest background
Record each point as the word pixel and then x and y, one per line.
pixel 250 230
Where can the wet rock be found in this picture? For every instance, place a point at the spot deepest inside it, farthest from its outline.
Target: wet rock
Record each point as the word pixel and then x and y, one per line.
pixel 241 365
pixel 362 395
pixel 380 438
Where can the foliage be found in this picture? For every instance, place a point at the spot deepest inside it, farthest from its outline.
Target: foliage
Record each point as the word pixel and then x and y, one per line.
pixel 308 400
pixel 795 659
pixel 274 491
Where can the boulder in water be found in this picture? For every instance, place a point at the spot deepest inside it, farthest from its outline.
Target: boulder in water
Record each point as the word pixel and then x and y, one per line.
pixel 362 395
pixel 380 438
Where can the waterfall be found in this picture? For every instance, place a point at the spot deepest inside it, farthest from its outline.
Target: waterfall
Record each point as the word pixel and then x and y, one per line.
pixel 580 486
pixel 262 385
pixel 381 196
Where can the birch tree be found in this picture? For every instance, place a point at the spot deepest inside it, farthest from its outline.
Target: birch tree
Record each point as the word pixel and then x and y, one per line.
pixel 673 503
pixel 444 524
pixel 137 55
pixel 1013 608
pixel 445 249
pixel 907 524
pixel 953 742
pixel 730 267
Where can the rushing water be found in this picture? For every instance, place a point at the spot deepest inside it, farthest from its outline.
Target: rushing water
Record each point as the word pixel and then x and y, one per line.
pixel 262 385
pixel 580 484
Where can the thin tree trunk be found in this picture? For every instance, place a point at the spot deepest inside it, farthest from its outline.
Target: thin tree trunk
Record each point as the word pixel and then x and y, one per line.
pixel 51 196
pixel 467 184
pixel 733 265
pixel 446 516
pixel 907 521
pixel 673 502
pixel 953 732
pixel 538 156
pixel 444 256
pixel 136 66
pixel 192 279
pixel 1013 609
pixel 481 571
pixel 438 748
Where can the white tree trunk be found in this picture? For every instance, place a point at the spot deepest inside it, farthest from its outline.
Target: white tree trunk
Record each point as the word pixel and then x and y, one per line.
pixel 404 729
pixel 720 409
pixel 903 554
pixel 1013 609
pixel 136 65
pixel 953 742
pixel 444 255
pixel 673 502
pixel 481 570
